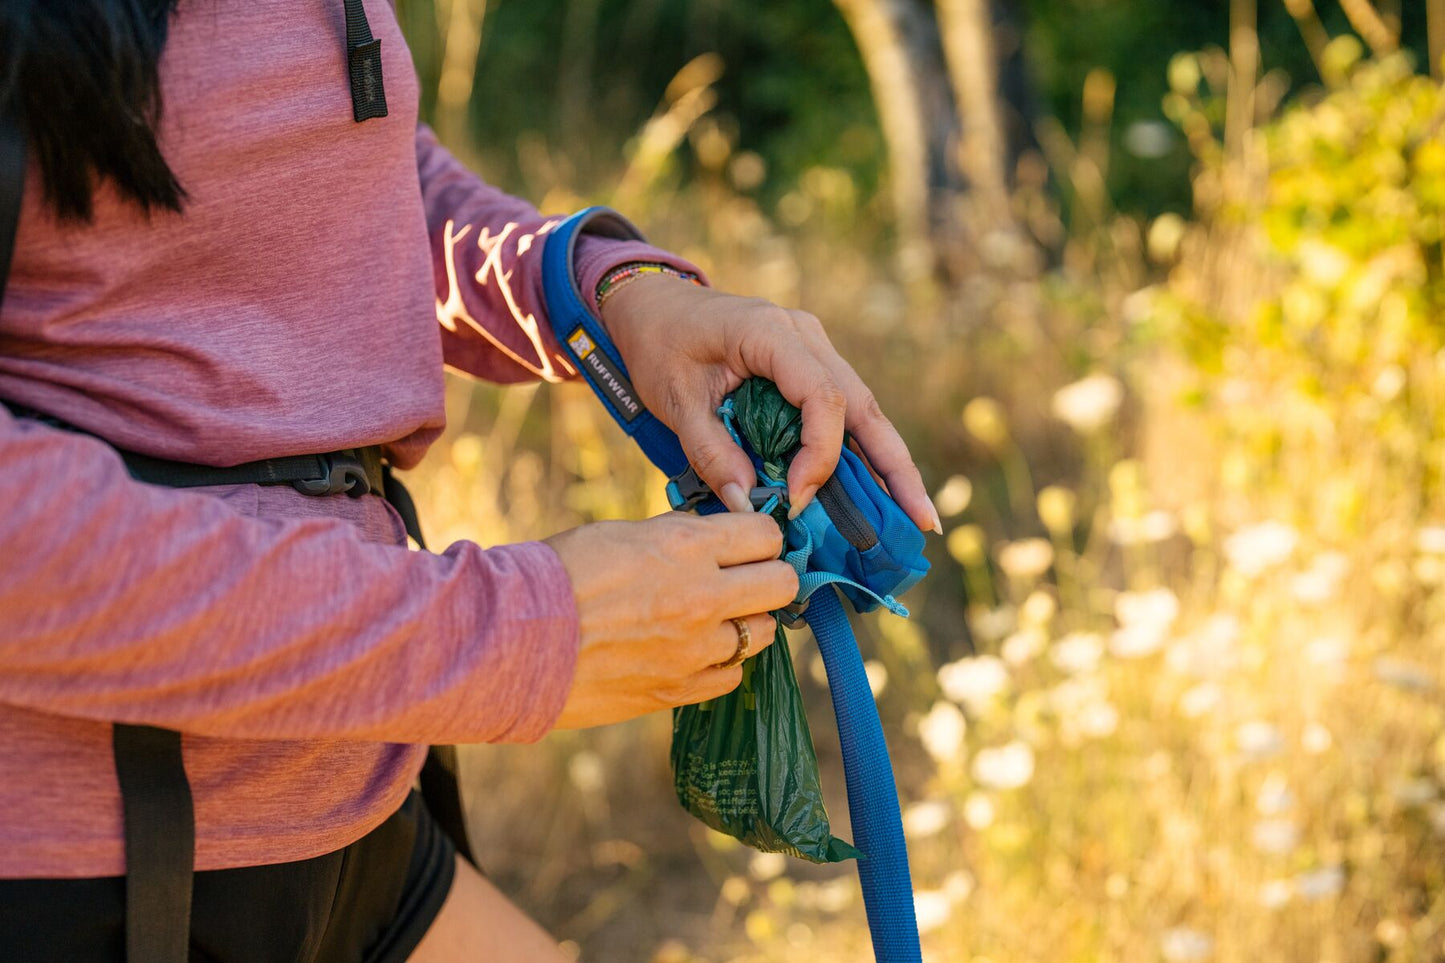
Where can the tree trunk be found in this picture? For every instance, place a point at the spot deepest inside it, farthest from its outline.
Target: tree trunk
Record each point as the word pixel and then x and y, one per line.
pixel 967 27
pixel 898 41
pixel 460 24
pixel 934 69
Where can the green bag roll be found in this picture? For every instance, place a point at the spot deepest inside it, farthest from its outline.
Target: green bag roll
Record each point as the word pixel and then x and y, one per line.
pixel 744 763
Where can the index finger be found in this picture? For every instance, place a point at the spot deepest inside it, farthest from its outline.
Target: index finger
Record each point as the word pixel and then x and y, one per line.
pixel 743 538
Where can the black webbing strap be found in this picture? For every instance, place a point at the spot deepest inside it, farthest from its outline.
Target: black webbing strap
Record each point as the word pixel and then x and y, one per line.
pixel 160 843
pixel 352 471
pixel 363 64
pixel 442 793
pixel 355 471
pixel 12 187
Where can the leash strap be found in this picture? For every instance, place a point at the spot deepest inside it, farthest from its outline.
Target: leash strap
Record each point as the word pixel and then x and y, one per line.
pixel 872 794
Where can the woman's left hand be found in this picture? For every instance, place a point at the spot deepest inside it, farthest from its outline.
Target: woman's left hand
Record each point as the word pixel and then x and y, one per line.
pixel 686 347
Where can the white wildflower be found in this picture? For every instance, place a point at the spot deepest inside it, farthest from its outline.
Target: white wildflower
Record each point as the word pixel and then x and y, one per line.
pixel 766 866
pixel 953 498
pixel 1318 584
pixel 1320 883
pixel 1027 558
pixel 1254 549
pixel 932 907
pixel 1023 646
pixel 1276 837
pixel 1258 739
pixel 1199 700
pixel 1009 766
pixel 1437 818
pixel 836 895
pixel 1151 140
pixel 1403 675
pixel 1152 527
pixel 1137 641
pixel 1388 383
pixel 1181 945
pixel 1089 404
pixel 1276 893
pixel 942 732
pixel 587 772
pixel 1078 652
pixel 1274 797
pixel 978 811
pixel 1158 526
pixel 1413 792
pixel 990 625
pixel 1038 609
pixel 877 674
pixel 1327 650
pixel 1430 540
pixel 924 819
pixel 735 890
pixel 1153 607
pixel 1322 263
pixel 975 681
pixel 1219 631
pixel 1072 696
pixel 1208 650
pixel 1098 720
pixel 958 885
pixel 1126 532
pixel 1316 739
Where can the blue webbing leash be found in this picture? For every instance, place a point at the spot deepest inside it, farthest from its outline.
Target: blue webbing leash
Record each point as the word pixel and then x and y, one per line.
pixel 872 794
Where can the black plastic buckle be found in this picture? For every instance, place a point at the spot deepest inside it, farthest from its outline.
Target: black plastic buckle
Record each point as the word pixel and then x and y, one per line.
pixel 793 613
pixel 344 475
pixel 685 490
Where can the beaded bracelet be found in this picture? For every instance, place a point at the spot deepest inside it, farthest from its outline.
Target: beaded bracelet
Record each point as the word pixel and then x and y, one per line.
pixel 619 276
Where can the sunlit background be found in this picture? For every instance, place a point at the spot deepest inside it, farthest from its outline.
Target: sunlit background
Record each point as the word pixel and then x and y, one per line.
pixel 1154 291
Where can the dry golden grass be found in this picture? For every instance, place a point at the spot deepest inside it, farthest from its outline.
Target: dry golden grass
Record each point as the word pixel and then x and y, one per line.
pixel 1192 486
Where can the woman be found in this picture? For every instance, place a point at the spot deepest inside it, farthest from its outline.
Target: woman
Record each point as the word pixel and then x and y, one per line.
pixel 258 271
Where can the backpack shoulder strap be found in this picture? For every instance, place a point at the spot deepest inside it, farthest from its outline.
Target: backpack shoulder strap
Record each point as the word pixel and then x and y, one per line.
pixel 12 186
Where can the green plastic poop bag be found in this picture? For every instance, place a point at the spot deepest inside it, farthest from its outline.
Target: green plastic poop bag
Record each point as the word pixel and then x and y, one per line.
pixel 744 763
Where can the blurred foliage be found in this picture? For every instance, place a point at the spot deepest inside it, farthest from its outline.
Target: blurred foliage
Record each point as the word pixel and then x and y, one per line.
pixel 583 75
pixel 1134 40
pixel 1174 690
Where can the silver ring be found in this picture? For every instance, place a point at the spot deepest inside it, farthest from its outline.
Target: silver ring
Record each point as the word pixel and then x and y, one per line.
pixel 745 644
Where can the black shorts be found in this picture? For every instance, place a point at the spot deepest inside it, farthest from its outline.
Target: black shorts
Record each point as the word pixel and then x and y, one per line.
pixel 368 903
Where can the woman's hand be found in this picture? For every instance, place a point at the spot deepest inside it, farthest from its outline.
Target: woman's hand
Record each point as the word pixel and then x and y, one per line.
pixel 687 346
pixel 654 599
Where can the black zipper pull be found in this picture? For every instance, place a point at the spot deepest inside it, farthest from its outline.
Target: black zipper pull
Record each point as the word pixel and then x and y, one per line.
pixel 363 62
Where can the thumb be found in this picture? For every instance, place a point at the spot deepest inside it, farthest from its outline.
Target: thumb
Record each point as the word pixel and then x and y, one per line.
pixel 720 463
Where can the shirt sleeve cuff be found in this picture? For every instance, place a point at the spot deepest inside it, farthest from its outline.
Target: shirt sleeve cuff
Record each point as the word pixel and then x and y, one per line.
pixel 595 255
pixel 535 615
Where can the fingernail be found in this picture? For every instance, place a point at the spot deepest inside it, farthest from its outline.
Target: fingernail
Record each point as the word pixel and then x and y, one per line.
pixel 937 522
pixel 800 502
pixel 735 498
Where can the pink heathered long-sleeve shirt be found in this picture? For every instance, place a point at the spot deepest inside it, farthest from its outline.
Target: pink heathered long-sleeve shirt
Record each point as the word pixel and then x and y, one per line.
pixel 306 300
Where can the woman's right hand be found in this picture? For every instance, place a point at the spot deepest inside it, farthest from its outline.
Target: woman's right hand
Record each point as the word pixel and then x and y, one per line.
pixel 654 600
